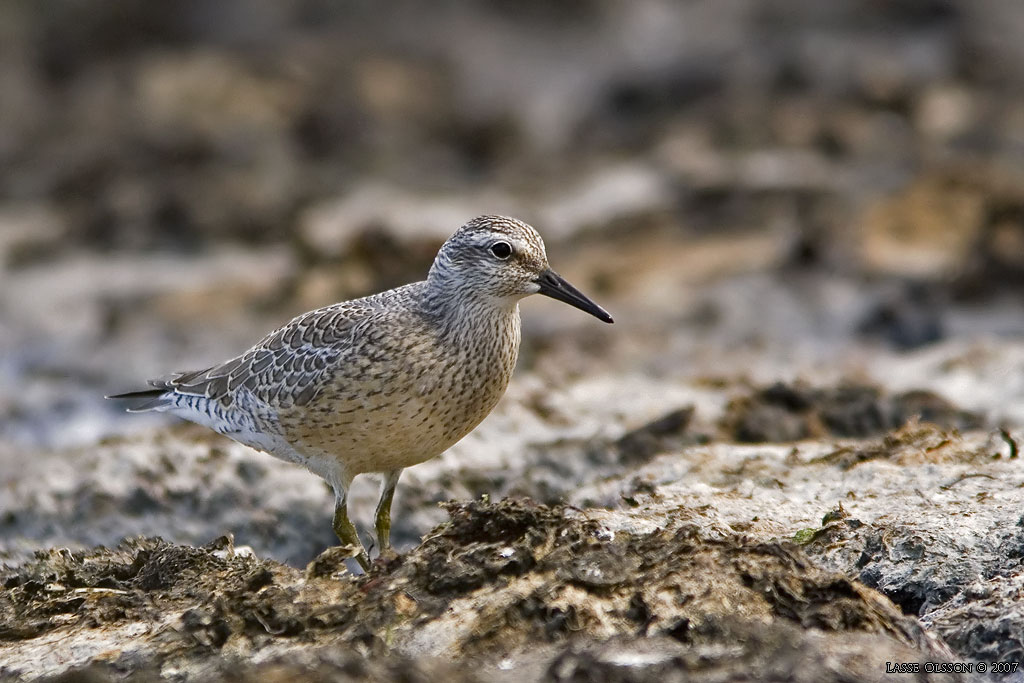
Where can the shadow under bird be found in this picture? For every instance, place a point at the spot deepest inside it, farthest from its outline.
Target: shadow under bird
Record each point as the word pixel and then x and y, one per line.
pixel 384 382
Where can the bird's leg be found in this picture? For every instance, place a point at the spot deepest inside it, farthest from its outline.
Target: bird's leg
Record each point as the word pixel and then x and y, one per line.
pixel 383 515
pixel 347 532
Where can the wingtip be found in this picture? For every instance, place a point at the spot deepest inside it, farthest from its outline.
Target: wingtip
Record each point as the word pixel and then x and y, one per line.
pixel 129 395
pixel 140 401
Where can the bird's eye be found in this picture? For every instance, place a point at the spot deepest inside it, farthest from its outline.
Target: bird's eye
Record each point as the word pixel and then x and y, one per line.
pixel 501 250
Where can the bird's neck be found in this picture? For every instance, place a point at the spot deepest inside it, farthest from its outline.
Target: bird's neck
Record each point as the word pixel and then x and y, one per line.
pixel 460 310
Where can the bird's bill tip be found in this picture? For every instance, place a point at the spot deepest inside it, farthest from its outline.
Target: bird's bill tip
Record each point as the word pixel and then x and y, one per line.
pixel 555 286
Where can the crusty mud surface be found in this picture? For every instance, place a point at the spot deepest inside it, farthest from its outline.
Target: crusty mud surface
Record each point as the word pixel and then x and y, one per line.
pixel 501 585
pixel 708 576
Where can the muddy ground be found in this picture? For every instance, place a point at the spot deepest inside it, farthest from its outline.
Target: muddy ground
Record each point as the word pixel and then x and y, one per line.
pixel 494 585
pixel 795 456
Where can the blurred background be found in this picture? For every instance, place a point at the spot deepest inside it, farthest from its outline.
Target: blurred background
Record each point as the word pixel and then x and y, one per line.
pixel 756 189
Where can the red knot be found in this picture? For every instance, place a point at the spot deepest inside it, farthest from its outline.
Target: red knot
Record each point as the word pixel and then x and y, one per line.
pixel 384 382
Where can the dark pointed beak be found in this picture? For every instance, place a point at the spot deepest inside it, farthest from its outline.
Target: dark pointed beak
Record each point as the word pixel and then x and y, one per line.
pixel 554 285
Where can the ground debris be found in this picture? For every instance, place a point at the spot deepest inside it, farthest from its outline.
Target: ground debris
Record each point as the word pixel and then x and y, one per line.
pixel 792 412
pixel 914 443
pixel 640 444
pixel 495 583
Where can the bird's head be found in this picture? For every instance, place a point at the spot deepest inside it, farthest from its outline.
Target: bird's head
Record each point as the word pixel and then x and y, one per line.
pixel 503 259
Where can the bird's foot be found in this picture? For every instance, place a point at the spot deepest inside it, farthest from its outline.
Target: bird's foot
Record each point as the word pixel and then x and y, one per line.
pixel 386 556
pixel 348 536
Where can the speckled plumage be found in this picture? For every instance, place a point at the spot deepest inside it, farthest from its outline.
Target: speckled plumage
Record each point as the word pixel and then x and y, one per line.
pixel 384 382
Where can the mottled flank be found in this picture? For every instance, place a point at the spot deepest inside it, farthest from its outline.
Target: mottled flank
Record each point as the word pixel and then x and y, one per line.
pixel 384 382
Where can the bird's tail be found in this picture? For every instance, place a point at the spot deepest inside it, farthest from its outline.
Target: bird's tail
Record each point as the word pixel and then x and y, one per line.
pixel 145 400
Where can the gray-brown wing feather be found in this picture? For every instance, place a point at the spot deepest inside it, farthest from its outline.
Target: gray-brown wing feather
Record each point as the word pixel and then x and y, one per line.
pixel 287 367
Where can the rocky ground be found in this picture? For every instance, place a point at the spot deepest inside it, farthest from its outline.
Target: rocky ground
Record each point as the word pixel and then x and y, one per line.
pixel 795 456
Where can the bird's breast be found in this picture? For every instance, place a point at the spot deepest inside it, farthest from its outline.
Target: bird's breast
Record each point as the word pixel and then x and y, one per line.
pixel 479 365
pixel 415 398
